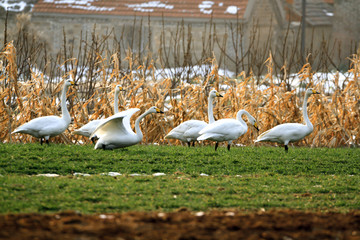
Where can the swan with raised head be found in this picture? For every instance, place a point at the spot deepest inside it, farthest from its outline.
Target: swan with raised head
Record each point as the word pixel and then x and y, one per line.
pixel 116 132
pixel 290 132
pixel 188 131
pixel 89 128
pixel 227 129
pixel 49 126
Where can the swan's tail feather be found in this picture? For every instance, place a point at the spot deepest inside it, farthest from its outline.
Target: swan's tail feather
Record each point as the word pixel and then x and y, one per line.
pixel 18 130
pixel 169 136
pixel 77 132
pixel 204 137
pixel 261 137
pixel 80 132
pixel 173 135
pixel 15 131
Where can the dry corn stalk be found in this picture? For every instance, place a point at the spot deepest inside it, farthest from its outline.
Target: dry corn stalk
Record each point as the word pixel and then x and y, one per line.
pixel 335 118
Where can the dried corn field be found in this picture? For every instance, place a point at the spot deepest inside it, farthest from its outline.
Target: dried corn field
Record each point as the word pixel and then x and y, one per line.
pixel 335 116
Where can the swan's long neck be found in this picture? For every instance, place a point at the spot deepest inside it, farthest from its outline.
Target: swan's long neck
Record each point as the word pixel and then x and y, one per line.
pixel 116 102
pixel 211 109
pixel 64 110
pixel 306 117
pixel 137 125
pixel 240 119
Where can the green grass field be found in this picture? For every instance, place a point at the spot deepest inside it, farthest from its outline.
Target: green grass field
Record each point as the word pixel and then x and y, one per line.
pixel 246 178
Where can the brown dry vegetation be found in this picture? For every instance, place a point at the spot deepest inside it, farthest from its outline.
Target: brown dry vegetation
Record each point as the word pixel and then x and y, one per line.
pixel 335 117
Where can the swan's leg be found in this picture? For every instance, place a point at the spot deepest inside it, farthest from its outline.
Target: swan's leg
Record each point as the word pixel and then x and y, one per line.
pixel 228 146
pixel 193 144
pixel 188 143
pixel 41 141
pixel 47 139
pixel 216 145
pixel 286 148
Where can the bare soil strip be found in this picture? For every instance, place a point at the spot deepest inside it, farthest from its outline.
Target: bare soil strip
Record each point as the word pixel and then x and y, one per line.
pixel 183 224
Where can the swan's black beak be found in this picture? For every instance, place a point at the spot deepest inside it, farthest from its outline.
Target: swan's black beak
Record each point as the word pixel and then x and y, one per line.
pixel 256 126
pixel 315 92
pixel 74 83
pixel 158 110
pixel 219 95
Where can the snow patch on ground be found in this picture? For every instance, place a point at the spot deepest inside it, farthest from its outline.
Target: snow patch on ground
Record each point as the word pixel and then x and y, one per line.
pixel 112 174
pixel 48 175
pixel 158 174
pixel 81 174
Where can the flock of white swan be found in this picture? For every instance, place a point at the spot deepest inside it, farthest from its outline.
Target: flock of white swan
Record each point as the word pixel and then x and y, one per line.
pixel 116 132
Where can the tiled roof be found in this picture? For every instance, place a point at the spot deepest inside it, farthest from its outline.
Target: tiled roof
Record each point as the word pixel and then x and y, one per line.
pixel 222 9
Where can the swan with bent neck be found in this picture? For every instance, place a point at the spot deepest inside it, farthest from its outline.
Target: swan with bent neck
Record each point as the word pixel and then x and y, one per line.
pixel 116 132
pixel 290 132
pixel 227 129
pixel 49 126
pixel 188 131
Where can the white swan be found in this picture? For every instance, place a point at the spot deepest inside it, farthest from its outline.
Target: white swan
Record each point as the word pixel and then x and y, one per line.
pixel 89 128
pixel 116 132
pixel 188 131
pixel 49 126
pixel 290 132
pixel 227 129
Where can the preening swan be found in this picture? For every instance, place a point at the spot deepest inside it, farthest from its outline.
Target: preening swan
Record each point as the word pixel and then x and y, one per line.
pixel 49 126
pixel 89 128
pixel 290 132
pixel 116 132
pixel 188 131
pixel 227 129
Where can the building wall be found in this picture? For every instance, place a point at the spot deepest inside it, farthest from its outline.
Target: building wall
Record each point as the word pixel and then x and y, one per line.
pixel 204 36
pixel 262 14
pixel 346 27
pixel 11 26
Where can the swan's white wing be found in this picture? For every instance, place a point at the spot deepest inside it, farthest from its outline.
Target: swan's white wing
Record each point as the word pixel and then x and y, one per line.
pixel 128 116
pixel 223 130
pixel 43 126
pixel 287 132
pixel 116 124
pixel 88 128
pixel 187 130
pixel 193 132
